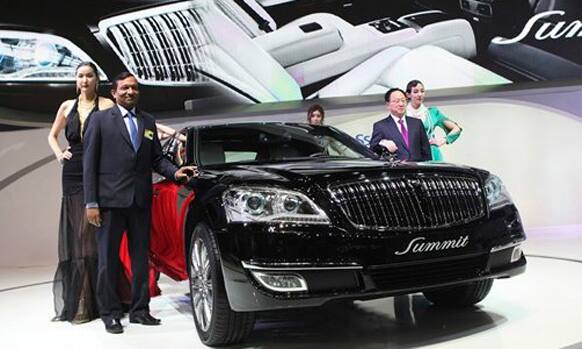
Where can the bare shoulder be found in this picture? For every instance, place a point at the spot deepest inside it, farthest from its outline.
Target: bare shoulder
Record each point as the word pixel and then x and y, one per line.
pixel 66 107
pixel 105 103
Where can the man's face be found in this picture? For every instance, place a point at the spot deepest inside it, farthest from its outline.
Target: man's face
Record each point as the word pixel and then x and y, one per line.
pixel 127 92
pixel 397 104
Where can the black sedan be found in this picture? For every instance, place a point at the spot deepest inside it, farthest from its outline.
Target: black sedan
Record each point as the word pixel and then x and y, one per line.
pixel 292 215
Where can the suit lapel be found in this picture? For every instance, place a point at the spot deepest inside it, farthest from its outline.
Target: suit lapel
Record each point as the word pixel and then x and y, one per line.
pixel 121 125
pixel 412 130
pixel 140 128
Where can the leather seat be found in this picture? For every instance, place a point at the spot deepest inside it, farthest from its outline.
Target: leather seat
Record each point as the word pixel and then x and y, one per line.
pixel 243 67
pixel 395 66
pixel 243 20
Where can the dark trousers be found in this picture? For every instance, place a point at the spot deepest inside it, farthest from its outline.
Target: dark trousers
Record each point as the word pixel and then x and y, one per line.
pixel 135 221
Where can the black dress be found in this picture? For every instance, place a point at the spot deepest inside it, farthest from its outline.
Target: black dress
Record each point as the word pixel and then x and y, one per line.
pixel 76 275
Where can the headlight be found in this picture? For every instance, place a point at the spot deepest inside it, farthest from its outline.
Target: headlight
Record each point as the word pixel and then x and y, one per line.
pixel 497 194
pixel 262 204
pixel 39 57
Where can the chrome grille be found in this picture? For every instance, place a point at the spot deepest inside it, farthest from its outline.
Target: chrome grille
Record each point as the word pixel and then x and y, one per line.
pixel 410 202
pixel 166 44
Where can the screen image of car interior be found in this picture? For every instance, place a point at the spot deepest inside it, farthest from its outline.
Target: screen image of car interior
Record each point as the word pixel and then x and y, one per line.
pixel 194 54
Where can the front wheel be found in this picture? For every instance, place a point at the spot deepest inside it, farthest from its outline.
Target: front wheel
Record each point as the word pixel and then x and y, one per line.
pixel 463 295
pixel 216 323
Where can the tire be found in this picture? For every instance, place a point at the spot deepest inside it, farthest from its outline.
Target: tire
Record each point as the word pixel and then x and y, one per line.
pixel 463 295
pixel 215 322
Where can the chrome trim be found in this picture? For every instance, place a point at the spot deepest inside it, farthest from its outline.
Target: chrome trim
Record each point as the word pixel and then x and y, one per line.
pixel 163 45
pixel 516 254
pixel 257 275
pixel 291 266
pixel 504 247
pixel 419 14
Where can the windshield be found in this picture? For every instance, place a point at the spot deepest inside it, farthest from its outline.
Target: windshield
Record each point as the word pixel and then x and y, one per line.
pixel 275 142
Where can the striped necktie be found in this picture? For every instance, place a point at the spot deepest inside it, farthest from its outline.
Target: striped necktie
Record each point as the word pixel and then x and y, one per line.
pixel 404 131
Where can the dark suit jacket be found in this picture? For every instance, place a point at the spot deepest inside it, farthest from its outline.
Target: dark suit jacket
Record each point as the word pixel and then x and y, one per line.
pixel 419 148
pixel 114 175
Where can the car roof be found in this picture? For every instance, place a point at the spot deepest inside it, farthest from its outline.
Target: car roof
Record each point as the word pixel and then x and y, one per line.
pixel 251 124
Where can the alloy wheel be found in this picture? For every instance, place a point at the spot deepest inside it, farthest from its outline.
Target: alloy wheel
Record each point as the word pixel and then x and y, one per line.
pixel 201 284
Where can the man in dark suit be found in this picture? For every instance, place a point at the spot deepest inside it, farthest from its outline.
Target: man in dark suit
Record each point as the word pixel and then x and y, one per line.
pixel 121 147
pixel 401 135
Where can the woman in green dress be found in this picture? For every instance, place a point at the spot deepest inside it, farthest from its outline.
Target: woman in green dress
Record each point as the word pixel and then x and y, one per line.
pixel 431 119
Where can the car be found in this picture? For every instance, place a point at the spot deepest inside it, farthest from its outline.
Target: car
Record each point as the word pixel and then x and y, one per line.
pixel 289 215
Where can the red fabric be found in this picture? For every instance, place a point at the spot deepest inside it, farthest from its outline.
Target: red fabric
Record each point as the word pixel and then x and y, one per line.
pixel 166 240
pixel 125 282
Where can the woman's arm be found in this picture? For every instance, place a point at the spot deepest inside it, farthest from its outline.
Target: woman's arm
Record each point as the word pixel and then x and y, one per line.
pixel 452 129
pixel 56 128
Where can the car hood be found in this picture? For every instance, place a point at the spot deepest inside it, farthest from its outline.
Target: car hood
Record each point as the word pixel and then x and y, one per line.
pixel 331 170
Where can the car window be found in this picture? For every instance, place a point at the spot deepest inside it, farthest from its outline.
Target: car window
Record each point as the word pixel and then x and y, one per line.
pixel 238 156
pixel 274 142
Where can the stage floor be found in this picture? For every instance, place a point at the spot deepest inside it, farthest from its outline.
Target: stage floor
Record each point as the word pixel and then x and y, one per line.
pixel 539 309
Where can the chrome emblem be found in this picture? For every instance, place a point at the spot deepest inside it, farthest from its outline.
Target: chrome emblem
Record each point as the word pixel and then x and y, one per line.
pixel 418 245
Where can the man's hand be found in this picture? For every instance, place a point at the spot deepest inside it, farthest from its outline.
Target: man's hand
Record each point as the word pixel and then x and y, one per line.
pixel 388 144
pixel 94 216
pixel 184 174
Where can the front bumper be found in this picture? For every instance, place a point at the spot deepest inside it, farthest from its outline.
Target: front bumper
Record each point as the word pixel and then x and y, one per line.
pixel 335 264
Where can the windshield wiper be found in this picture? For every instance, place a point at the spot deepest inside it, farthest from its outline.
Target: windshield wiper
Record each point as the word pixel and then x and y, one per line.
pixel 319 155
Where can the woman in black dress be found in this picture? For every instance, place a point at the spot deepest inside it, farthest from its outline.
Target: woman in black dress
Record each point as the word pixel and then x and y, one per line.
pixel 75 278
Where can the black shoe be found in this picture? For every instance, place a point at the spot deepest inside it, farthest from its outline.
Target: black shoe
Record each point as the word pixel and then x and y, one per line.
pixel 144 319
pixel 113 326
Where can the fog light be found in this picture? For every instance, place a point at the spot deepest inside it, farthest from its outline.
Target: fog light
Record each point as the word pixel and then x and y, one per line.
pixel 516 254
pixel 287 282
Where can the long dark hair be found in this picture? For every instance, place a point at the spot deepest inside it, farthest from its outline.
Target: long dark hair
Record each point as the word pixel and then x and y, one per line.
pixel 412 84
pixel 96 72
